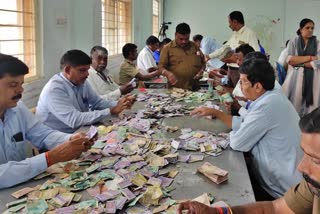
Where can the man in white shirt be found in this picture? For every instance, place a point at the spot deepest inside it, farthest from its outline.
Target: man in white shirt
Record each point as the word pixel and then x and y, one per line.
pixel 241 35
pixel 208 45
pixel 100 79
pixel 145 60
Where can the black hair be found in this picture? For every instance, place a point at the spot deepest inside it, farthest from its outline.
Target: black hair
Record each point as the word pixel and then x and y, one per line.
pixel 197 37
pixel 183 28
pixel 287 42
pixel 166 41
pixel 127 49
pixel 310 123
pixel 244 49
pixel 303 23
pixel 74 58
pixel 237 15
pixel 152 40
pixel 255 55
pixel 259 70
pixel 12 66
pixel 99 48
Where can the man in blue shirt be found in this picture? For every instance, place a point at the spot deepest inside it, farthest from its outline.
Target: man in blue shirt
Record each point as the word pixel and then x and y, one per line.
pixel 268 129
pixel 68 102
pixel 208 45
pixel 18 126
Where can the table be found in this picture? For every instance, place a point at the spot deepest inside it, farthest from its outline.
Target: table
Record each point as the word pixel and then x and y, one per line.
pixel 160 82
pixel 189 184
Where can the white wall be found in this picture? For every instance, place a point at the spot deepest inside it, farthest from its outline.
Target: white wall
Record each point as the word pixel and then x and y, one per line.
pixel 82 30
pixel 210 18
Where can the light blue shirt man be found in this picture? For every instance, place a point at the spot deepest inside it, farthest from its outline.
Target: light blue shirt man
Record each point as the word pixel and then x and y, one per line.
pixel 209 45
pixel 18 127
pixel 65 107
pixel 269 130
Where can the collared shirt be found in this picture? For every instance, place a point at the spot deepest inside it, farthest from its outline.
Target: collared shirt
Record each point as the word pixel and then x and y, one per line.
pixel 104 86
pixel 128 71
pixel 18 127
pixel 271 133
pixel 244 36
pixel 145 60
pixel 207 46
pixel 300 199
pixel 156 56
pixel 184 63
pixel 65 107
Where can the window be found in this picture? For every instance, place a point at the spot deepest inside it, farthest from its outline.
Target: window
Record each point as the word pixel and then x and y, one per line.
pixel 155 18
pixel 18 32
pixel 116 24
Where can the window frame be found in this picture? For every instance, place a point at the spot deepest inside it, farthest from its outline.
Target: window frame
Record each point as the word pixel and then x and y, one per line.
pixel 158 17
pixel 116 48
pixel 31 36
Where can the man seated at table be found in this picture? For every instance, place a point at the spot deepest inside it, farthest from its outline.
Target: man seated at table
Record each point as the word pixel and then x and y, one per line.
pixel 268 129
pixel 301 198
pixel 68 102
pixel 145 60
pixel 228 79
pixel 18 126
pixel 100 78
pixel 181 61
pixel 128 69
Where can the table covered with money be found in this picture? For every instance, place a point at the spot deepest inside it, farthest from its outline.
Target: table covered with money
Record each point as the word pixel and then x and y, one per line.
pixel 147 161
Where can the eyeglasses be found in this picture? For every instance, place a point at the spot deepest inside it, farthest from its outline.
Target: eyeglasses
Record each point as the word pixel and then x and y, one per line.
pixel 241 82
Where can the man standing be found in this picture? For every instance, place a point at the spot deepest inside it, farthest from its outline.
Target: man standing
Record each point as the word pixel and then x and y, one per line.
pixel 100 79
pixel 145 61
pixel 128 69
pixel 301 198
pixel 241 33
pixel 68 102
pixel 182 61
pixel 270 134
pixel 18 126
pixel 208 45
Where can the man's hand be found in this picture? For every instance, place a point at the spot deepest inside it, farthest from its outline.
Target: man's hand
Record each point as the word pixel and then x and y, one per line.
pixel 83 135
pixel 195 207
pixel 198 75
pixel 231 59
pixel 69 150
pixel 132 99
pixel 206 58
pixel 123 103
pixel 78 135
pixel 171 77
pixel 214 82
pixel 218 72
pixel 125 89
pixel 203 111
pixel 152 69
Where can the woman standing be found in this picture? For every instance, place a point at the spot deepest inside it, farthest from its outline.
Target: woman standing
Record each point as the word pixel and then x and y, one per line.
pixel 302 84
